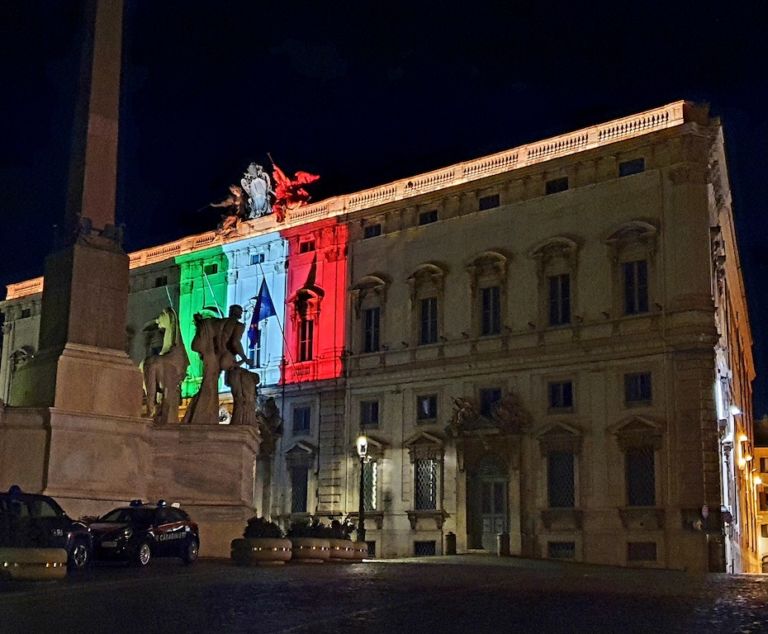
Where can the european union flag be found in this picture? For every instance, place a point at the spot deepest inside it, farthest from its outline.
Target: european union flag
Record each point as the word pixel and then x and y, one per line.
pixel 263 309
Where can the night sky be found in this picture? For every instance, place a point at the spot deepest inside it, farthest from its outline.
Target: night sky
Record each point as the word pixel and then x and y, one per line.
pixel 363 96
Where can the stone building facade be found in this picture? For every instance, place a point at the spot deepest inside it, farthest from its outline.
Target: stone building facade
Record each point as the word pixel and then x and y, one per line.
pixel 551 343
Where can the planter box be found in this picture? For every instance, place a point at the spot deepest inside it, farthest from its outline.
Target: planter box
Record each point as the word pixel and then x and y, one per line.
pixel 261 551
pixel 360 550
pixel 310 549
pixel 33 564
pixel 342 550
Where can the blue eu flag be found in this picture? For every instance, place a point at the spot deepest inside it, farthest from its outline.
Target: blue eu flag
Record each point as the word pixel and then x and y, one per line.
pixel 263 309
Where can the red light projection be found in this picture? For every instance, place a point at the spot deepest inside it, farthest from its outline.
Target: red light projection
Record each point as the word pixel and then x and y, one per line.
pixel 315 312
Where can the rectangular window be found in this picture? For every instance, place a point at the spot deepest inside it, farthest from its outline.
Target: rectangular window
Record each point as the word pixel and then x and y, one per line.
pixel 299 486
pixel 637 388
pixel 556 185
pixel 306 339
pixel 306 246
pixel 426 485
pixel 763 530
pixel 371 231
pixel 428 217
pixel 257 258
pixel 488 398
pixel 559 299
pixel 424 549
pixel 635 166
pixel 301 420
pixel 635 276
pixel 161 281
pixel 560 395
pixel 26 312
pixel 369 414
pixel 428 321
pixel 764 465
pixel 490 322
pixel 641 551
pixel 641 476
pixel 560 479
pixel 371 329
pixel 561 550
pixel 488 202
pixel 426 407
pixel 370 479
pixel 211 269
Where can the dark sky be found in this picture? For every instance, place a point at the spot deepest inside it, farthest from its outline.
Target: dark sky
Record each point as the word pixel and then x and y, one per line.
pixel 362 96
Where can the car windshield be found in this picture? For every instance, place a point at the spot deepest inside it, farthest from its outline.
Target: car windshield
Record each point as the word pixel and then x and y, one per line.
pixel 129 516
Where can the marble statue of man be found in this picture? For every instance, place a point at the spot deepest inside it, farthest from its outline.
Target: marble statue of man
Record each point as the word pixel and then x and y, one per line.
pixel 258 187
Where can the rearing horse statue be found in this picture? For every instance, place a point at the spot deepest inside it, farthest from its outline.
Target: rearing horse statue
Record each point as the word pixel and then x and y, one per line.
pixel 164 371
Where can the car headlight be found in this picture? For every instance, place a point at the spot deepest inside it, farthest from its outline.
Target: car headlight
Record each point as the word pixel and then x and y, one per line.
pixel 127 533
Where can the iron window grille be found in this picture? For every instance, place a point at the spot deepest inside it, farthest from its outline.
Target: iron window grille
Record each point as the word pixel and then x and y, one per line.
pixel 428 329
pixel 641 476
pixel 635 276
pixel 561 550
pixel 426 484
pixel 424 549
pixel 561 488
pixel 370 481
pixel 371 321
pixel 490 298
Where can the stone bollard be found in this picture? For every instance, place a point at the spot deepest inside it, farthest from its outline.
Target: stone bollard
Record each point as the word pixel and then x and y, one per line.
pixel 502 544
pixel 450 544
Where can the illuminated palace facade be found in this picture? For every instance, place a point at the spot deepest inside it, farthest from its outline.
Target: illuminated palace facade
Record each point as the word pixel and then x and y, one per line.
pixel 551 342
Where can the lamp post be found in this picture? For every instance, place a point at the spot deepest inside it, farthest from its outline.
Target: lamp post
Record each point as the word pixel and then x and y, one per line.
pixel 362 452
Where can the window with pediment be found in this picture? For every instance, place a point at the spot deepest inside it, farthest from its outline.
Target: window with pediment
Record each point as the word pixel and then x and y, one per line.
pixel 369 298
pixel 560 446
pixel 556 266
pixel 488 295
pixel 427 294
pixel 640 440
pixel 631 249
pixel 299 460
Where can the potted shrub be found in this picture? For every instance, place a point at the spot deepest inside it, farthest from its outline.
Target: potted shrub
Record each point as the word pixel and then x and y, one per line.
pixel 342 547
pixel 262 544
pixel 310 541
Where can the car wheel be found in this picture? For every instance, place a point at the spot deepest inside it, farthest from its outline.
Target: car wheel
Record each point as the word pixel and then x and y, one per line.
pixel 80 556
pixel 143 554
pixel 191 551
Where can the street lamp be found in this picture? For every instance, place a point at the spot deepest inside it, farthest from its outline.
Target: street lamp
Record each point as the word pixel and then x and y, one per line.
pixel 362 452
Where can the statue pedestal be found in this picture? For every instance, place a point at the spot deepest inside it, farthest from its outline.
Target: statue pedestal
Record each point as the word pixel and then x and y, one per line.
pixel 210 470
pixel 82 364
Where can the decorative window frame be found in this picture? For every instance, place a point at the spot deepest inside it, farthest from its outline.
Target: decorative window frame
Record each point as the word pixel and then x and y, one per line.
pixel 369 292
pixel 560 437
pixel 556 256
pixel 301 454
pixel 629 242
pixel 428 280
pixel 485 270
pixel 425 446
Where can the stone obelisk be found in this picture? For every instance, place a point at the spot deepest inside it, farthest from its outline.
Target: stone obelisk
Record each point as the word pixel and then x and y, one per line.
pixel 82 365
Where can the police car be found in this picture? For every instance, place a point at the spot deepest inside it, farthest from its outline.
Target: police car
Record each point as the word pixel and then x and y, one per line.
pixel 139 532
pixel 31 520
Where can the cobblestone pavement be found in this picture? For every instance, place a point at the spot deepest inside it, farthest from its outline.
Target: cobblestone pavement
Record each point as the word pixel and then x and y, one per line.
pixel 439 594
